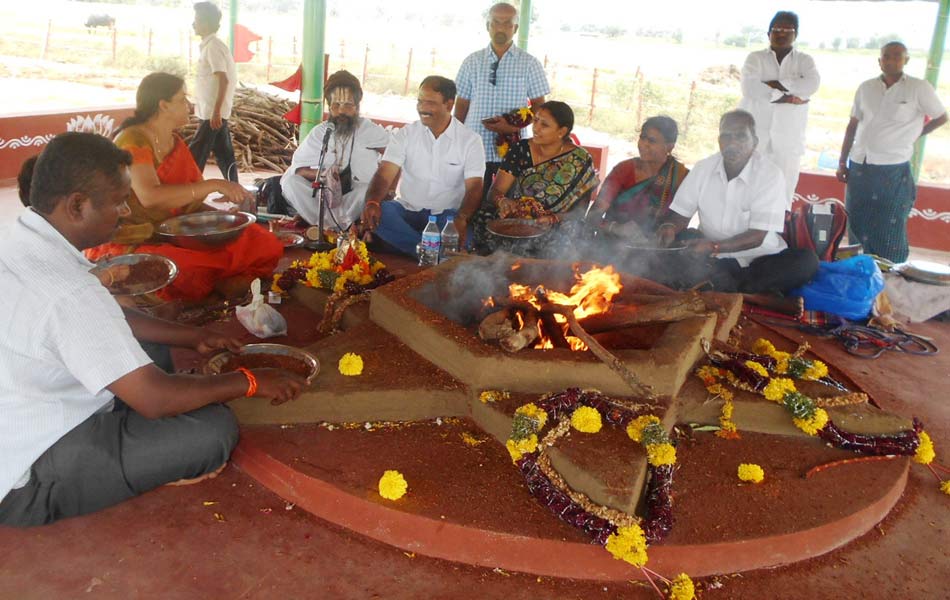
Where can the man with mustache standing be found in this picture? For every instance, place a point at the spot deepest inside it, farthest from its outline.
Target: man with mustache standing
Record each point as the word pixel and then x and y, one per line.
pixel 740 198
pixel 353 151
pixel 495 81
pixel 442 163
pixel 777 84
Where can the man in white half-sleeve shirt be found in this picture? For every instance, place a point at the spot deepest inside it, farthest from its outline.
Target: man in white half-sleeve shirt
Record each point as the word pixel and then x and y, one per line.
pixel 777 84
pixel 442 164
pixel 887 118
pixel 215 82
pixel 68 352
pixel 740 199
pixel 353 149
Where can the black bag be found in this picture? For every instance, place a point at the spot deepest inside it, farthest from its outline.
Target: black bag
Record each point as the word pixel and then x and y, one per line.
pixel 271 196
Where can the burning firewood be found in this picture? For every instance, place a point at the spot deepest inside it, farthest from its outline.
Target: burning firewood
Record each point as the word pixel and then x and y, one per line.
pixel 526 335
pixel 497 325
pixel 664 310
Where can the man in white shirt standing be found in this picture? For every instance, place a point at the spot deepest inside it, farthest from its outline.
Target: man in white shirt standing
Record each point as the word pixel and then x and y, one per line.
pixel 777 84
pixel 215 83
pixel 68 351
pixel 353 149
pixel 886 119
pixel 740 198
pixel 442 164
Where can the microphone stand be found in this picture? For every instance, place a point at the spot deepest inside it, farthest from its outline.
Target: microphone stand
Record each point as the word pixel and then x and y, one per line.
pixel 320 185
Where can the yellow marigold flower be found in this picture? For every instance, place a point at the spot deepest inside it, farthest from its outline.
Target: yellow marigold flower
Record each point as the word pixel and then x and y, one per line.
pixel 925 450
pixel 757 368
pixel 350 364
pixel 709 374
pixel 681 588
pixel 532 411
pixel 763 346
pixel 629 545
pixel 525 113
pixel 727 408
pixel 945 487
pixel 635 427
pixel 276 288
pixel 751 472
pixel 521 447
pixel 493 396
pixel 814 424
pixel 586 420
pixel 659 455
pixel 502 150
pixel 816 371
pixel 781 367
pixel 777 388
pixel 392 485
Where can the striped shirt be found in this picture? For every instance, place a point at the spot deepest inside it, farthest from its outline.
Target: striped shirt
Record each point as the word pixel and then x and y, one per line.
pixel 63 339
pixel 519 78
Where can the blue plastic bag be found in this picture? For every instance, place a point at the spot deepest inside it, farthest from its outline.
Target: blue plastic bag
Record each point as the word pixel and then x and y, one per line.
pixel 846 288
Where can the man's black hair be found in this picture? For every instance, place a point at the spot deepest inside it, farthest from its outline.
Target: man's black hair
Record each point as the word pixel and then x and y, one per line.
pixel 24 178
pixel 442 85
pixel 739 115
pixel 71 163
pixel 784 15
pixel 897 43
pixel 209 12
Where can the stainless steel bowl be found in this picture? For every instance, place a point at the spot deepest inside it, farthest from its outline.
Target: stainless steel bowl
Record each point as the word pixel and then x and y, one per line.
pixel 145 287
pixel 217 362
pixel 203 230
pixel 923 271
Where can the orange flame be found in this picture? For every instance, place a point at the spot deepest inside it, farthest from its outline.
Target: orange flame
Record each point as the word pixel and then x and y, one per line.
pixel 592 294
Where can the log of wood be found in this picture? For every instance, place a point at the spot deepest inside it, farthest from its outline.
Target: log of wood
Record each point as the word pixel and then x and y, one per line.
pixel 665 310
pixel 639 388
pixel 526 336
pixel 497 325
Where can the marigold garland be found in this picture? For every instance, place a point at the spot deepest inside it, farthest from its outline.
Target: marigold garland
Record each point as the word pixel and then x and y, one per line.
pixel 635 427
pixel 682 588
pixel 660 455
pixel 493 396
pixel 521 118
pixel 751 472
pixel 925 450
pixel 392 485
pixel 629 544
pixel 945 487
pixel 350 364
pixel 791 364
pixel 350 267
pixel 586 420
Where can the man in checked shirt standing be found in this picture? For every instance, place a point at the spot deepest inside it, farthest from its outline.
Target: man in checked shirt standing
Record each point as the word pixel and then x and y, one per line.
pixel 494 81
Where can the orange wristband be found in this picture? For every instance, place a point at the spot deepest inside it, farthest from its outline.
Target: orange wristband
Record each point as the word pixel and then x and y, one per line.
pixel 251 382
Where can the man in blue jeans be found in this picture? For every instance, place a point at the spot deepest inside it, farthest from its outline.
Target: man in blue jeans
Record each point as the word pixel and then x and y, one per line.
pixel 442 163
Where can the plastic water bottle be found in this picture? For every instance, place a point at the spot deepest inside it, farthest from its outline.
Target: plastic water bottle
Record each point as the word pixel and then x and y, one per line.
pixel 450 238
pixel 431 243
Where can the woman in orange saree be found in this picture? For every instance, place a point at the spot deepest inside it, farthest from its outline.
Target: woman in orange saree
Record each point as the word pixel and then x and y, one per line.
pixel 166 182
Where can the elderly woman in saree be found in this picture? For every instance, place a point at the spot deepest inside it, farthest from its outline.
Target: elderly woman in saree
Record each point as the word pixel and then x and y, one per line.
pixel 166 182
pixel 546 178
pixel 637 193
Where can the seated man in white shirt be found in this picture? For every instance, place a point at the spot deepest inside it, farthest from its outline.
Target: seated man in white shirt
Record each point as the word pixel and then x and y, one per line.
pixel 69 351
pixel 353 149
pixel 442 164
pixel 740 198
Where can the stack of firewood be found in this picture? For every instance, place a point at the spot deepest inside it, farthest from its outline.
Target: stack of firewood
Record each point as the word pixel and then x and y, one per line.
pixel 263 139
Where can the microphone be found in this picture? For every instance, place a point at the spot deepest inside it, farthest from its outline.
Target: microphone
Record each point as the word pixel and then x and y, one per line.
pixel 326 136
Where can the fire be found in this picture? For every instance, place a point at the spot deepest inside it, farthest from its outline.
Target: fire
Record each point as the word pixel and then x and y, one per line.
pixel 592 294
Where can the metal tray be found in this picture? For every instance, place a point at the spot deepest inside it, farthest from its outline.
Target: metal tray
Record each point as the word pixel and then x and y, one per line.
pixel 290 239
pixel 923 271
pixel 134 259
pixel 216 362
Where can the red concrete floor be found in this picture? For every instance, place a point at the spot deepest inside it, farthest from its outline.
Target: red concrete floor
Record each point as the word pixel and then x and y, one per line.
pixel 231 538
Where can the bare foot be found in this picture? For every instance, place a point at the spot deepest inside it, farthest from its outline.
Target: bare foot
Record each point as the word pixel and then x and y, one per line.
pixel 200 478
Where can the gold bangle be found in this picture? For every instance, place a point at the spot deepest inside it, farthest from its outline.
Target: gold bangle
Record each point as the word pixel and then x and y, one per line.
pixel 193 197
pixel 376 202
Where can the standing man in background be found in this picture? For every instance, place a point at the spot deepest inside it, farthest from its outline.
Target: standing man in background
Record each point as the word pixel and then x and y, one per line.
pixel 495 81
pixel 886 119
pixel 214 93
pixel 777 84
